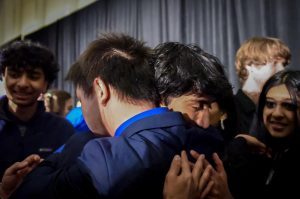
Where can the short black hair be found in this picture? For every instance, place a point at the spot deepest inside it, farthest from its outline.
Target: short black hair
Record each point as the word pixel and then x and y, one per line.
pixel 184 68
pixel 120 61
pixel 27 54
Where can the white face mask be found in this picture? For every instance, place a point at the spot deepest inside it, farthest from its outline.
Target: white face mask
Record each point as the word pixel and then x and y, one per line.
pixel 279 67
pixel 258 75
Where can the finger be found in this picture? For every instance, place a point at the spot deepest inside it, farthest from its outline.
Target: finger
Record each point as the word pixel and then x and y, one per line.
pixel 33 159
pixel 23 172
pixel 191 165
pixel 26 170
pixel 175 166
pixel 15 167
pixel 205 178
pixel 205 163
pixel 207 189
pixel 185 163
pixel 194 154
pixel 254 142
pixel 218 163
pixel 198 169
pixel 261 147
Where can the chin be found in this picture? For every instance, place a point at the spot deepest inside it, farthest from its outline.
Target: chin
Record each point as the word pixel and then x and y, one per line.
pixel 24 103
pixel 279 135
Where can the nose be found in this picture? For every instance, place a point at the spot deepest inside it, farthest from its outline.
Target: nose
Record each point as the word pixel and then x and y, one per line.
pixel 278 112
pixel 203 118
pixel 23 81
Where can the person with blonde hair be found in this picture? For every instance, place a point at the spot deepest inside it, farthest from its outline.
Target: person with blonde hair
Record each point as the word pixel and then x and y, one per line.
pixel 257 60
pixel 59 102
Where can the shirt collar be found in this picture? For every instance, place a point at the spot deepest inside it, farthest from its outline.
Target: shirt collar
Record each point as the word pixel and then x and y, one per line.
pixel 139 116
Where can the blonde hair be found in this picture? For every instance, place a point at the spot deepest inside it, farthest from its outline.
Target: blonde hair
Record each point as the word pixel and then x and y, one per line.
pixel 259 51
pixel 55 101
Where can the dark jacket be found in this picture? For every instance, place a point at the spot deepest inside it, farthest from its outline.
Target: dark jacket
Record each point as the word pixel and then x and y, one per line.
pixel 41 135
pixel 132 165
pixel 72 149
pixel 252 175
pixel 245 108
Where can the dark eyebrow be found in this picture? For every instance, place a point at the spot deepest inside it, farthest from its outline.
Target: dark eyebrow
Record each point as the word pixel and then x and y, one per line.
pixel 285 99
pixel 25 69
pixel 34 70
pixel 37 72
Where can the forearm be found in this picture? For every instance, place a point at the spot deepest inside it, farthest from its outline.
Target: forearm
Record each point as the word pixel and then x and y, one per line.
pixel 3 194
pixel 228 195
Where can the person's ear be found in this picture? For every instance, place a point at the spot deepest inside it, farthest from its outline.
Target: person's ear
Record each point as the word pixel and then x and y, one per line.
pixel 3 74
pixel 101 90
pixel 222 119
pixel 224 116
pixel 162 104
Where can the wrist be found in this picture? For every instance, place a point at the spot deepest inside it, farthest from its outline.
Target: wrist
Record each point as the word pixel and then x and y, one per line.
pixel 2 192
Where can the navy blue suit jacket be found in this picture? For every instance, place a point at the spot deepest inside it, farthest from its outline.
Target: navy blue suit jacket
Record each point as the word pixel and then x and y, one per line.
pixel 132 165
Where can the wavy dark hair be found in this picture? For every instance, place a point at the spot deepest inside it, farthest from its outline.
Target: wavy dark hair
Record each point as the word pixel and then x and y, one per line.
pixel 29 55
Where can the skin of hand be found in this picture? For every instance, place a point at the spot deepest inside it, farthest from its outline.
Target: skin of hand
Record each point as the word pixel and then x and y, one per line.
pixel 14 175
pixel 185 180
pixel 219 189
pixel 255 144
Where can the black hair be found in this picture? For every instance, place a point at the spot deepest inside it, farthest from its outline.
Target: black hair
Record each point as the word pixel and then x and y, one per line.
pixel 120 61
pixel 187 69
pixel 291 79
pixel 29 55
pixel 56 101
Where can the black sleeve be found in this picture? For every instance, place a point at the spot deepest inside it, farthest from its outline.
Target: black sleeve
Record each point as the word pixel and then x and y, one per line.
pixel 235 152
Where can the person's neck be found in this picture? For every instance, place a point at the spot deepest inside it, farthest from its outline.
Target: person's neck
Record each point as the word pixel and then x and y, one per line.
pixel 127 111
pixel 254 96
pixel 252 91
pixel 24 113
